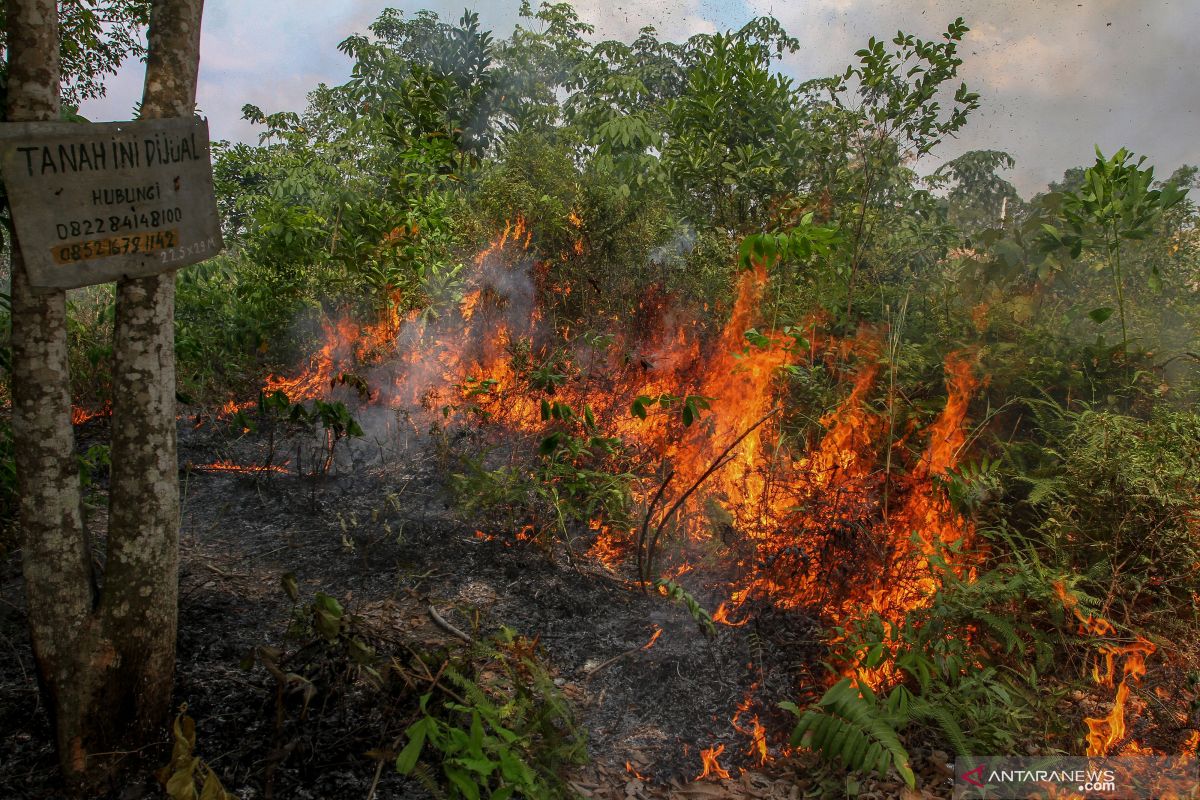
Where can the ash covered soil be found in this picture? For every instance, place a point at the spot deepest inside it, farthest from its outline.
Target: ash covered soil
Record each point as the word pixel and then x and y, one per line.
pixel 382 536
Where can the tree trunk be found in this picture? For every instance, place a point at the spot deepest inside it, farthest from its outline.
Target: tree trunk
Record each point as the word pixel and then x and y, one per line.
pixel 55 556
pixel 105 660
pixel 141 590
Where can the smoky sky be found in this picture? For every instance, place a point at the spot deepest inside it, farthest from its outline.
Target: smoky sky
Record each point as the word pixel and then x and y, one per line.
pixel 1056 77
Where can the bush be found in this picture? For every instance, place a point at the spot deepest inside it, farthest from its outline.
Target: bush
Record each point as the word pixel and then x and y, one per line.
pixel 1119 497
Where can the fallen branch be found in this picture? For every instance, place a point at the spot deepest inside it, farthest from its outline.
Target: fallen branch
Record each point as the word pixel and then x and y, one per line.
pixel 441 622
pixel 591 673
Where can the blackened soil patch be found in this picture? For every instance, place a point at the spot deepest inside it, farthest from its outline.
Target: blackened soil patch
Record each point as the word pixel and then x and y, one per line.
pixel 384 540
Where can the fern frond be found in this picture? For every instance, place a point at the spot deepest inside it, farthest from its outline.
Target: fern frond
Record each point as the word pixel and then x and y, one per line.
pixel 946 722
pixel 1004 630
pixel 846 727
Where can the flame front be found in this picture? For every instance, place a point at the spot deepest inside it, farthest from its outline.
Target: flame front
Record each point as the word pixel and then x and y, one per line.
pixel 80 415
pixel 821 525
pixel 245 469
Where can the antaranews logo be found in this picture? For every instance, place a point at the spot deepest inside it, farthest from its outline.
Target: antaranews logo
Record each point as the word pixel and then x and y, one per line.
pixel 974 776
pixel 1117 778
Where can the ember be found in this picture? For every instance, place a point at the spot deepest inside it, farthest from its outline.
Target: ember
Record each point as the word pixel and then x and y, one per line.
pixel 81 415
pixel 245 469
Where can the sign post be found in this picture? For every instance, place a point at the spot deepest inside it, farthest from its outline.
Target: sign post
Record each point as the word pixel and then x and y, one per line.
pixel 93 203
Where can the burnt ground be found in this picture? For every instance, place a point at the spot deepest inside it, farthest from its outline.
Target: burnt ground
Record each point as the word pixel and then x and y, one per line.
pixel 381 534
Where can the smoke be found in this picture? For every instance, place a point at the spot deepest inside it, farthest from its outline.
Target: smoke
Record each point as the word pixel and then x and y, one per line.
pixel 435 357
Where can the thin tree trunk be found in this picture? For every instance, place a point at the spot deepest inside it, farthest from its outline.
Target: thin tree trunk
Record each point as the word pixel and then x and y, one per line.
pixel 55 556
pixel 141 590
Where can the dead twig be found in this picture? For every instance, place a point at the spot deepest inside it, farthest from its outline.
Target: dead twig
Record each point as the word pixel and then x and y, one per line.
pixel 643 565
pixel 441 622
pixel 721 460
pixel 592 672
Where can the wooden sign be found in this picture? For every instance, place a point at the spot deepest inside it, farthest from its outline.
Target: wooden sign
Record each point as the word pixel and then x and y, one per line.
pixel 95 202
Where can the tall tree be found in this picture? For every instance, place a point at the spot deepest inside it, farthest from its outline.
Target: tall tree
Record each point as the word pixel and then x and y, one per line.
pixel 105 657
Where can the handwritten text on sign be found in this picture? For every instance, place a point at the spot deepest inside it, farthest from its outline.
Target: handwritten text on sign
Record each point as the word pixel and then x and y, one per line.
pixel 92 203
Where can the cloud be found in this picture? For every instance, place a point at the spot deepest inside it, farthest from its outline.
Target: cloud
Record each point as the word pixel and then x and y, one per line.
pixel 1056 76
pixel 622 19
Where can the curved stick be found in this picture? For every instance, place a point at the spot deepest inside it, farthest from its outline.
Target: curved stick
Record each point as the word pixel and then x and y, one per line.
pixel 720 461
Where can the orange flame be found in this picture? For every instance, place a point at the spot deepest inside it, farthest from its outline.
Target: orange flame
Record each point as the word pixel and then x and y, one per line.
pixel 758 735
pixel 1106 732
pixel 80 415
pixel 653 638
pixel 712 769
pixel 791 505
pixel 721 616
pixel 245 469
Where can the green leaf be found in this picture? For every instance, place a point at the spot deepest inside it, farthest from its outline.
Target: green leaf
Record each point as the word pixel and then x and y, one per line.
pixel 464 782
pixel 290 587
pixel 1100 315
pixel 1155 279
pixel 549 444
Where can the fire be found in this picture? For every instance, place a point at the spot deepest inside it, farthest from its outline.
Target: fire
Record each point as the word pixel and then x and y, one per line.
pixel 653 638
pixel 347 345
pixel 80 415
pixel 799 511
pixel 721 616
pixel 712 769
pixel 1104 733
pixel 608 549
pixel 753 729
pixel 244 469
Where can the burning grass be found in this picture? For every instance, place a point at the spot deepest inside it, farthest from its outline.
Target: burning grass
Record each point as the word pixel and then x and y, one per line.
pixel 840 526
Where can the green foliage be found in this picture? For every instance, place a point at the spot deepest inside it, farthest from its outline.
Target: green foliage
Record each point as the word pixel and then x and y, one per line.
pixel 1115 497
pixel 90 314
pixel 507 736
pixel 899 88
pixel 673 591
pixel 486 718
pixel 1115 204
pixel 733 135
pixel 689 406
pixel 228 317
pixel 981 667
pixel 977 197
pixel 800 244
pixel 849 724
pixel 95 38
pixel 575 481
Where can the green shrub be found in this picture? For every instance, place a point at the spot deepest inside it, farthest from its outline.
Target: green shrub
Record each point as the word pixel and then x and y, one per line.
pixel 1118 498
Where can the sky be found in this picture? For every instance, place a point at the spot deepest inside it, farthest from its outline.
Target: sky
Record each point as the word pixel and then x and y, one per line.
pixel 1056 76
